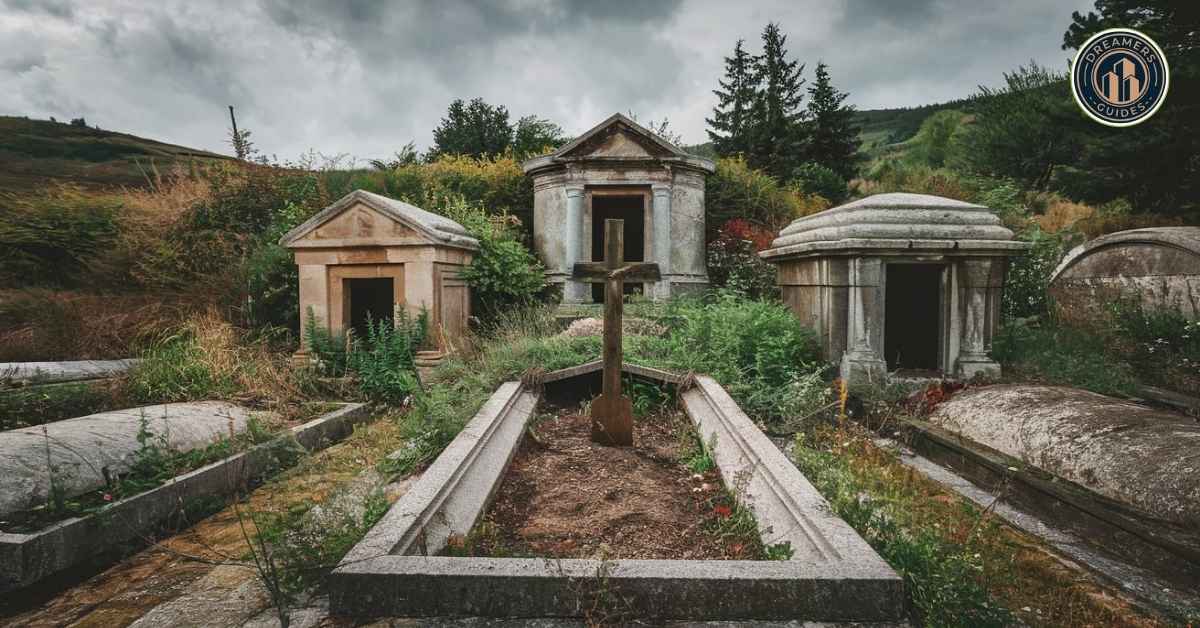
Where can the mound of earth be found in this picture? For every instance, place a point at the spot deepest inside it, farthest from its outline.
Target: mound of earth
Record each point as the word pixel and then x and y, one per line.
pixel 1142 456
pixel 630 326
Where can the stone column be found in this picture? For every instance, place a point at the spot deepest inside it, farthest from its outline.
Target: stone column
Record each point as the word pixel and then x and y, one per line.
pixel 314 294
pixel 863 360
pixel 975 280
pixel 661 249
pixel 573 291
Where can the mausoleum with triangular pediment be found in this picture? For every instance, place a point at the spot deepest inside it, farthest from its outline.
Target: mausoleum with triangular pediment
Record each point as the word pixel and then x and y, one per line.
pixel 620 170
pixel 366 255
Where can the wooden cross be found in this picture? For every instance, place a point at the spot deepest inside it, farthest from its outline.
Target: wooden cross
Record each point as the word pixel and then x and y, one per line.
pixel 612 413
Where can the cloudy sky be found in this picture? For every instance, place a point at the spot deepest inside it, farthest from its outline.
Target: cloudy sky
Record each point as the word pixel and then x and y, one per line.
pixel 364 77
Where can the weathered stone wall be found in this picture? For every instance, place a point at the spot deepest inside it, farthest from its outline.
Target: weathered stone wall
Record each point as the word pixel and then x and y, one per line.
pixel 1158 268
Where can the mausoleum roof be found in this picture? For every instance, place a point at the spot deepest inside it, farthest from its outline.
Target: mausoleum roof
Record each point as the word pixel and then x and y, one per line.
pixel 897 222
pixel 618 139
pixel 437 229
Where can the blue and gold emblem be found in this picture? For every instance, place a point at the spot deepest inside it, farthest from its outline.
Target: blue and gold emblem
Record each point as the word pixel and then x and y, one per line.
pixel 1120 77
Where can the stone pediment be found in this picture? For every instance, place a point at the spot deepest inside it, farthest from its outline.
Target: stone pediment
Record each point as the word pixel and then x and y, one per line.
pixel 619 139
pixel 365 219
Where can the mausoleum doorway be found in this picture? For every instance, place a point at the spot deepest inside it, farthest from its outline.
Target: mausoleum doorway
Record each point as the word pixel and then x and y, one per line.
pixel 370 300
pixel 912 331
pixel 630 208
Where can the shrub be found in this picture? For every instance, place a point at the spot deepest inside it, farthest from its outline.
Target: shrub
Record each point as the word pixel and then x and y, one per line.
pixel 821 181
pixel 1029 274
pixel 736 190
pixel 383 359
pixel 504 273
pixel 935 141
pixel 734 265
pixel 756 350
pixel 1062 355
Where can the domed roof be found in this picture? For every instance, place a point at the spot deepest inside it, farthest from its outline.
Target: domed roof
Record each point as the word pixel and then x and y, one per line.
pixel 909 222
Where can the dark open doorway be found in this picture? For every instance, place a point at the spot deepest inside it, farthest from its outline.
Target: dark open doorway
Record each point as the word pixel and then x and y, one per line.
pixel 632 210
pixel 912 314
pixel 373 297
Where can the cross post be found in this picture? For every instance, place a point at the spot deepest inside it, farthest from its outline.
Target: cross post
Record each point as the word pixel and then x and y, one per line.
pixel 612 412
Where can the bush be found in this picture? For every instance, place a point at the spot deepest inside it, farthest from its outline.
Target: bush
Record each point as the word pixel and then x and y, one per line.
pixel 1029 274
pixel 757 350
pixel 504 273
pixel 734 265
pixel 383 359
pixel 1062 355
pixel 736 190
pixel 821 181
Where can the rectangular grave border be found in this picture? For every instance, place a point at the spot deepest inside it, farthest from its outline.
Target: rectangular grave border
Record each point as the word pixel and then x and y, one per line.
pixel 833 574
pixel 28 558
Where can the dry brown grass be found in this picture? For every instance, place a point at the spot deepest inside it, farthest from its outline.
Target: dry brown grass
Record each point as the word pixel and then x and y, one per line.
pixel 1063 214
pixel 38 324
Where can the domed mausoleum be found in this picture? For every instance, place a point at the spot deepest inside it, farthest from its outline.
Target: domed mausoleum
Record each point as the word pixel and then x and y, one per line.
pixel 898 282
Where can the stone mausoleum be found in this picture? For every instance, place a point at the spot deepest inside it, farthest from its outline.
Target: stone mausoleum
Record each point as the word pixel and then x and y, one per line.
pixel 1156 269
pixel 367 254
pixel 898 283
pixel 620 170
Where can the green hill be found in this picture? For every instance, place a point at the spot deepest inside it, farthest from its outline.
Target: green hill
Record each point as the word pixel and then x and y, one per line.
pixel 881 128
pixel 34 153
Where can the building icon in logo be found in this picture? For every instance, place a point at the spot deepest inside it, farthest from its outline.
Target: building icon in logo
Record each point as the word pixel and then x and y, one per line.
pixel 1120 77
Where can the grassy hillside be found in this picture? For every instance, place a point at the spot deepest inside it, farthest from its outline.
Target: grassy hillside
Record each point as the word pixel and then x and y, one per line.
pixel 881 128
pixel 36 152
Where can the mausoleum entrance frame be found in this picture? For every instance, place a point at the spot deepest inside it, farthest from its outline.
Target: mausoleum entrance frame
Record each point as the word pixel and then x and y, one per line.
pixel 945 305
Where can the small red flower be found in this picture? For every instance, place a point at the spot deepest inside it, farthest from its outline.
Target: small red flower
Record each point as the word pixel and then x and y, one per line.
pixel 108 497
pixel 723 511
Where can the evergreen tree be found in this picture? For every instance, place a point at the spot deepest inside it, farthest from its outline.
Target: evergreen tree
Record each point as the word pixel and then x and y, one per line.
pixel 534 135
pixel 832 136
pixel 777 144
pixel 474 129
pixel 731 122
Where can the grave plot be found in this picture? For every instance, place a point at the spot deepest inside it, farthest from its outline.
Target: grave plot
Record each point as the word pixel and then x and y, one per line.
pixel 406 565
pixel 565 496
pixel 80 491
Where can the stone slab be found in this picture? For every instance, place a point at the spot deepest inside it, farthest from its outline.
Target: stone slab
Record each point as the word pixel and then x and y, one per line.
pixel 77 453
pixel 27 558
pixel 54 372
pixel 833 576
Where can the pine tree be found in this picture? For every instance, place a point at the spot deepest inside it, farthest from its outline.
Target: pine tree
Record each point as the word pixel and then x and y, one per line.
pixel 832 136
pixel 731 122
pixel 778 129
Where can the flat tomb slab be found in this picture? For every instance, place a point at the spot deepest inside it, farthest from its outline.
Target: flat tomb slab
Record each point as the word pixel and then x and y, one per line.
pixel 395 571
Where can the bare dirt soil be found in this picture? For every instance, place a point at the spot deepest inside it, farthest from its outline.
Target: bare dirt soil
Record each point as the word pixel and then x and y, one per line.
pixel 567 497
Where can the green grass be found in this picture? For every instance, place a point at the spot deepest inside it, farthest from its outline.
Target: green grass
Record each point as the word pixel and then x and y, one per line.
pixel 35 405
pixel 1063 356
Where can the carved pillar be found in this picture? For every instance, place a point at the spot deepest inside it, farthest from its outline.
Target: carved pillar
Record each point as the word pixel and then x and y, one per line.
pixel 976 279
pixel 662 239
pixel 863 360
pixel 573 291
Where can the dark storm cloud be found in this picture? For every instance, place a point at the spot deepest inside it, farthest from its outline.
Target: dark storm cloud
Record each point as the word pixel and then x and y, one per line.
pixel 366 76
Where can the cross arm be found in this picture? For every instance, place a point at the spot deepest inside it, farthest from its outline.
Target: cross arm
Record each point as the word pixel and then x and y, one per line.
pixel 599 272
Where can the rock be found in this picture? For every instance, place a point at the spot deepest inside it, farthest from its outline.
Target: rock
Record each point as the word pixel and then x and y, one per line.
pixel 80 451
pixel 1145 457
pixel 53 372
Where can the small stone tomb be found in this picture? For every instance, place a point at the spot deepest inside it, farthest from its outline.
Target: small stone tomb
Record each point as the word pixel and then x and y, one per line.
pixel 898 282
pixel 1155 268
pixel 620 170
pixel 367 254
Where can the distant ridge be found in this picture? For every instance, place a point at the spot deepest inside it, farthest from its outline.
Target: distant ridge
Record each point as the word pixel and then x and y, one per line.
pixel 34 153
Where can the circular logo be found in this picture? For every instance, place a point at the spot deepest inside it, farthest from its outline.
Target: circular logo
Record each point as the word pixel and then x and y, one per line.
pixel 1120 77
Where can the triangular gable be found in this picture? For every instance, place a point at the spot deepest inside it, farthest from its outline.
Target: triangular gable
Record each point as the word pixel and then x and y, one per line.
pixel 364 219
pixel 619 137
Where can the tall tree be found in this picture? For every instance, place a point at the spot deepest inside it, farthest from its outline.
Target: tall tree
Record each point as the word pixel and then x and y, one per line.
pixel 1156 164
pixel 730 124
pixel 533 135
pixel 832 135
pixel 476 129
pixel 778 130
